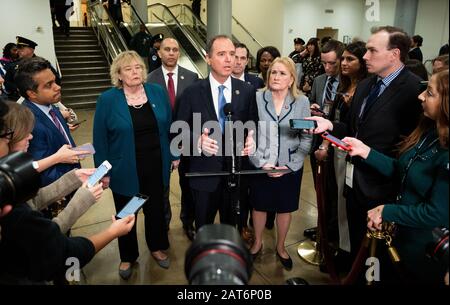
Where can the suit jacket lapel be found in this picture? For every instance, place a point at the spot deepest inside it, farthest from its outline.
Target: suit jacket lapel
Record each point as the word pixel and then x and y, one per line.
pixel 122 106
pixel 235 93
pixel 181 81
pixel 44 119
pixel 160 79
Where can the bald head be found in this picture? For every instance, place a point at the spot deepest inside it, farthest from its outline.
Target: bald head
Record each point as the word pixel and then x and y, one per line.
pixel 169 52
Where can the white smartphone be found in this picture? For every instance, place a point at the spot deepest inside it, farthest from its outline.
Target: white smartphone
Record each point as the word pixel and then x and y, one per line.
pixel 133 206
pixel 99 173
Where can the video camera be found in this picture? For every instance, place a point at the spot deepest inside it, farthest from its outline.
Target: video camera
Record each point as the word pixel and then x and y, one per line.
pixel 438 249
pixel 218 256
pixel 19 179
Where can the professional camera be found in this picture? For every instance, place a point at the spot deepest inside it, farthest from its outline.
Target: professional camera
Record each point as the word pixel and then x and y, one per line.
pixel 438 249
pixel 218 256
pixel 19 180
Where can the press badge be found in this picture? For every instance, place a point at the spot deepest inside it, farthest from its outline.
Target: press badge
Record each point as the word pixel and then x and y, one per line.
pixel 349 174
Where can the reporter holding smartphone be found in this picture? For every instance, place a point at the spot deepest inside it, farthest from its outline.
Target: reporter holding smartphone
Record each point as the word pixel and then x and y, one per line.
pixel 422 169
pixel 33 249
pixel 278 147
pixel 131 131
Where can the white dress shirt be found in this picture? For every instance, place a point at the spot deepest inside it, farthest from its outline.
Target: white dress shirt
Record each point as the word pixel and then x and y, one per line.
pixel 174 77
pixel 215 91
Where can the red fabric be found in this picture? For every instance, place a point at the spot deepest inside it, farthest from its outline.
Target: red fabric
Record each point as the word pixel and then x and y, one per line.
pixel 171 89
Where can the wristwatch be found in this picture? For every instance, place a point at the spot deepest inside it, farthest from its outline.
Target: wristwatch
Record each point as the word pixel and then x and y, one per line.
pixel 323 147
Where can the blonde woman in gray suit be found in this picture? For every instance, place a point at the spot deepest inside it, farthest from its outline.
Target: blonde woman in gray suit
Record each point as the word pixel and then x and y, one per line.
pixel 278 147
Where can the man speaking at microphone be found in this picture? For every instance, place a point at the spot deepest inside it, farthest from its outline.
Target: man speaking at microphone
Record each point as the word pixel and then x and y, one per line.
pixel 205 100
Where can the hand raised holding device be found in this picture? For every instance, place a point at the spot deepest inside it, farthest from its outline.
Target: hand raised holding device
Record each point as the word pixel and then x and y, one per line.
pixel 339 143
pixel 99 173
pixel 133 206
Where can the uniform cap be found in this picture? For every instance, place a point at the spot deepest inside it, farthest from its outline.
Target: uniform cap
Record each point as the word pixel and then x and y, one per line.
pixel 24 42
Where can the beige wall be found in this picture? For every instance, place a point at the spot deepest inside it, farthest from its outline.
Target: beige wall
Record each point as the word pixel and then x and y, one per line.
pixel 35 23
pixel 432 24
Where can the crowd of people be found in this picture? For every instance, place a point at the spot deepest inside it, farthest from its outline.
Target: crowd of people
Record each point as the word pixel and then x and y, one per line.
pixel 395 169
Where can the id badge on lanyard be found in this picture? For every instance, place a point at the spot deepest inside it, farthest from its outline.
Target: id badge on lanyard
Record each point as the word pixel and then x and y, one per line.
pixel 349 168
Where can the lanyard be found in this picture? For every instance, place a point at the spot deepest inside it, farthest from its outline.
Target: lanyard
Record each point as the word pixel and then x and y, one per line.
pixel 412 160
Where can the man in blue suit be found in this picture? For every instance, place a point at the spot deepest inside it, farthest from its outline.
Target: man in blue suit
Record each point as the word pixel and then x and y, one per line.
pixel 205 98
pixel 36 83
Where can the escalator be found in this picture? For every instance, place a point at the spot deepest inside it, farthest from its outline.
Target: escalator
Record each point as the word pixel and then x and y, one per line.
pixel 176 21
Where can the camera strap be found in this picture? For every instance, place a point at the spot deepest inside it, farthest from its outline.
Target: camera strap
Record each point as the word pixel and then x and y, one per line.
pixel 417 155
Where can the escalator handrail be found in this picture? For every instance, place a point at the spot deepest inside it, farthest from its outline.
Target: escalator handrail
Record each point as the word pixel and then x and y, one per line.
pixel 234 18
pixel 139 18
pixel 113 23
pixel 201 51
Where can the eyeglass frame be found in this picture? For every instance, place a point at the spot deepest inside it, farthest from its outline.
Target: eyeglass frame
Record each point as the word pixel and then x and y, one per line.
pixel 8 134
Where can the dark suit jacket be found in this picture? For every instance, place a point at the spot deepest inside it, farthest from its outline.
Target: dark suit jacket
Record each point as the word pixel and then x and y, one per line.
pixel 197 99
pixel 415 53
pixel 394 114
pixel 185 79
pixel 253 80
pixel 47 140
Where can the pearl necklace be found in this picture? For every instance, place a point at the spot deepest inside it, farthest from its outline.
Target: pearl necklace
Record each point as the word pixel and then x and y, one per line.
pixel 138 97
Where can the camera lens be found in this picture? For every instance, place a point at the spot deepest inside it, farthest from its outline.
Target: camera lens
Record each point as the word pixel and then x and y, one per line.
pixel 438 249
pixel 218 256
pixel 19 180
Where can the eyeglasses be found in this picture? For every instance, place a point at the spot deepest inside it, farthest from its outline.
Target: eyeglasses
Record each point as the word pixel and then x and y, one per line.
pixel 8 134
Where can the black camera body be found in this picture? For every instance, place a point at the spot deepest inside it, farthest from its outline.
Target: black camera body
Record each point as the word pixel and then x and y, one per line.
pixel 19 179
pixel 218 256
pixel 438 249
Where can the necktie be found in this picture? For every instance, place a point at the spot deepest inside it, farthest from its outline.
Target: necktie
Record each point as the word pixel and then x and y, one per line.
pixel 329 90
pixel 222 103
pixel 171 89
pixel 371 98
pixel 58 124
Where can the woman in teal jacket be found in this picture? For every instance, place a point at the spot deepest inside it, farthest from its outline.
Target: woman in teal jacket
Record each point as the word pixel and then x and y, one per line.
pixel 131 130
pixel 423 170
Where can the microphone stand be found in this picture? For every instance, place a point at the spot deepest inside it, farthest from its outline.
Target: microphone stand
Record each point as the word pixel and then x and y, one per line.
pixel 234 174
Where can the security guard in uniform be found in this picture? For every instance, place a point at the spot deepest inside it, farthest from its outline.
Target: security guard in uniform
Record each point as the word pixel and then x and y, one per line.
pixel 154 62
pixel 26 50
pixel 298 48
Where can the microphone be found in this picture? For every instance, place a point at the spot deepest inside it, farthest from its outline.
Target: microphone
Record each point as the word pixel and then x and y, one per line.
pixel 227 109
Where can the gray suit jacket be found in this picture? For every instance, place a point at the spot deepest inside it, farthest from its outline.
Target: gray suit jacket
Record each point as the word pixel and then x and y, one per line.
pixel 184 80
pixel 277 143
pixel 318 89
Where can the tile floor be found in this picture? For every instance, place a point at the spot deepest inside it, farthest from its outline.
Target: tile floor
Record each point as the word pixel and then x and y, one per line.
pixel 103 269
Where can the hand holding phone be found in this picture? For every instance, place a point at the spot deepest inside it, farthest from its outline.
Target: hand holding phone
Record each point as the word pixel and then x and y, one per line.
pixel 302 124
pixel 336 141
pixel 99 173
pixel 133 206
pixel 76 123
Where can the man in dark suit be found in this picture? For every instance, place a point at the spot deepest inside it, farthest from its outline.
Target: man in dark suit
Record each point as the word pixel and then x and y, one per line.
pixel 415 52
pixel 154 61
pixel 36 83
pixel 174 79
pixel 385 107
pixel 242 55
pixel 203 102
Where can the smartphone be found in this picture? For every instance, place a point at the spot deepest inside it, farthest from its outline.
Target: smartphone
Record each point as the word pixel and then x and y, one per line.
pixel 76 123
pixel 133 206
pixel 302 124
pixel 99 173
pixel 336 141
pixel 88 147
pixel 318 110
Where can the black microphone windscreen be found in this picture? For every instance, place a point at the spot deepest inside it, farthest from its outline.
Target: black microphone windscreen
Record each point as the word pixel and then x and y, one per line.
pixel 227 109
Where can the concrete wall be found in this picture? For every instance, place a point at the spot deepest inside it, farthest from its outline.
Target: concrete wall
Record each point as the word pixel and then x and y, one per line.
pixel 30 19
pixel 432 24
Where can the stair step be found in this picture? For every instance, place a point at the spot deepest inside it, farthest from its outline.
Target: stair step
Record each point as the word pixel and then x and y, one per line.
pixel 72 77
pixel 85 70
pixel 62 58
pixel 85 82
pixel 79 46
pixel 83 90
pixel 82 64
pixel 89 40
pixel 78 52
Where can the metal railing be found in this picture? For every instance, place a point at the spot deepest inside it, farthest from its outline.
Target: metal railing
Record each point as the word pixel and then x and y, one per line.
pixel 105 28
